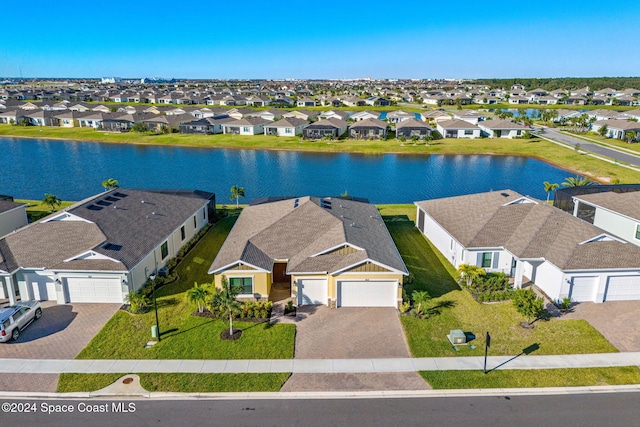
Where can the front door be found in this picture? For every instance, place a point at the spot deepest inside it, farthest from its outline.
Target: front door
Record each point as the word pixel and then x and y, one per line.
pixel 280 273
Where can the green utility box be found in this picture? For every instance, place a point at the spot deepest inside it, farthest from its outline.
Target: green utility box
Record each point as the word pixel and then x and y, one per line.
pixel 154 331
pixel 457 337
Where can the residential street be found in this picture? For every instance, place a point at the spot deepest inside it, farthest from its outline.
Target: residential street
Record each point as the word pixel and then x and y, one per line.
pixel 588 146
pixel 595 409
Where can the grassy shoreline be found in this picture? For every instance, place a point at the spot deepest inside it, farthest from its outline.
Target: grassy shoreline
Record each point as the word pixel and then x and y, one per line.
pixel 556 155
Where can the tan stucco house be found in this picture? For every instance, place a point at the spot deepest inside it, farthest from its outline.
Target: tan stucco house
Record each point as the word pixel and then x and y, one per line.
pixel 330 251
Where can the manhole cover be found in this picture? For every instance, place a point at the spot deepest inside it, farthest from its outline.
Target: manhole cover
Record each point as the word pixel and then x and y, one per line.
pixel 127 380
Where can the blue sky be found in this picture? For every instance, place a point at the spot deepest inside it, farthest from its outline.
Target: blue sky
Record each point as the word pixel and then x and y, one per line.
pixel 321 39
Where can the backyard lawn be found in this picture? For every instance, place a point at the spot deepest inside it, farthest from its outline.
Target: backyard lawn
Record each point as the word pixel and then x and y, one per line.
pixel 37 210
pixel 456 309
pixel 184 336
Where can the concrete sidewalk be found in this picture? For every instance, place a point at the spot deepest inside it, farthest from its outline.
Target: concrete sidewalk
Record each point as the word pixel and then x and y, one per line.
pixel 32 366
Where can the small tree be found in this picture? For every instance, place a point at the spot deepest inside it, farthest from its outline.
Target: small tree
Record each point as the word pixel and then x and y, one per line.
pixel 110 184
pixel 577 181
pixel 630 135
pixel 198 295
pixel 419 298
pixel 52 201
pixel 226 299
pixel 528 304
pixel 549 187
pixel 602 130
pixel 467 273
pixel 236 193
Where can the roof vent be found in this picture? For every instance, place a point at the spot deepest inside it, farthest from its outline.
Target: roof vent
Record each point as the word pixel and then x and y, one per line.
pixel 94 207
pixel 505 194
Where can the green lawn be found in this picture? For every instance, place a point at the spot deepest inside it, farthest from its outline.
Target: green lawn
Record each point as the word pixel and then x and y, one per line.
pixel 456 309
pixel 37 210
pixel 560 156
pixel 185 336
pixel 181 383
pixel 532 378
pixel 611 141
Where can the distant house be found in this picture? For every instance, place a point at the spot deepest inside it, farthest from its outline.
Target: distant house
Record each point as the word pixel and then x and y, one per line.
pixel 617 128
pixel 547 100
pixel 411 128
pixel 377 101
pixel 117 122
pixel 368 129
pixel 248 126
pixel 502 129
pixel 205 126
pixel 270 114
pixel 352 101
pixel 564 115
pixel 331 114
pixel 457 129
pixel 435 115
pixel 469 116
pixel 365 115
pixel 305 101
pixel 286 127
pixel 399 116
pixel 239 113
pixel 329 128
pixel 301 114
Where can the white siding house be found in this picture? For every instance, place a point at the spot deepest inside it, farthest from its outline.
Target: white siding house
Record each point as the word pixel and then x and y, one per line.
pixel 532 241
pixel 12 216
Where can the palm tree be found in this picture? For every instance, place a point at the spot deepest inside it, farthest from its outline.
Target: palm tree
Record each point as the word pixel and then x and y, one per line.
pixel 577 181
pixel 236 193
pixel 420 297
pixel 469 272
pixel 110 183
pixel 549 187
pixel 226 299
pixel 630 135
pixel 51 200
pixel 198 295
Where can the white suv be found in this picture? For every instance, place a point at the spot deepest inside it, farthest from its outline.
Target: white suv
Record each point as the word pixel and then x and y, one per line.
pixel 15 318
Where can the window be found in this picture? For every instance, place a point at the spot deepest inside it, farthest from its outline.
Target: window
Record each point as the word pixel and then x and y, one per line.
pixel 164 250
pixel 204 213
pixel 182 233
pixel 486 259
pixel 195 222
pixel 468 132
pixel 288 130
pixel 246 283
pixel 638 231
pixel 246 129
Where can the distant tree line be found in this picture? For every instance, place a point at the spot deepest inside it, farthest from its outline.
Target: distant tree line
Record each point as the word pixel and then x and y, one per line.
pixel 549 84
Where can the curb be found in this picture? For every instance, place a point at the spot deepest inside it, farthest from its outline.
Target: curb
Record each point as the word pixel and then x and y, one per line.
pixel 382 394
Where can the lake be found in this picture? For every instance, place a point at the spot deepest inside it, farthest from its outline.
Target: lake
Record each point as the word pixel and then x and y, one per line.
pixel 74 170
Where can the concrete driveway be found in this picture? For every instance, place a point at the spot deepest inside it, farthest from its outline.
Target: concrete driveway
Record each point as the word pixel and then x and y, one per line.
pixel 616 320
pixel 351 333
pixel 62 332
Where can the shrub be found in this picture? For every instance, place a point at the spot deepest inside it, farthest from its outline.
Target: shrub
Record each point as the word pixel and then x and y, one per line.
pixel 528 304
pixel 138 302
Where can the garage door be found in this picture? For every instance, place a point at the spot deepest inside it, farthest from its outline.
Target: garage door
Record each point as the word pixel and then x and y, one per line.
pixel 583 288
pixel 94 289
pixel 622 288
pixel 43 287
pixel 372 293
pixel 312 291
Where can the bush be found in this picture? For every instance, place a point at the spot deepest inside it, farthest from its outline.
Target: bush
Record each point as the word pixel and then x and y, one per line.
pixel 138 302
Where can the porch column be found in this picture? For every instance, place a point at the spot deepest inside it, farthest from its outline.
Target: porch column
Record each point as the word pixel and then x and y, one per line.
pixel 517 282
pixel 12 290
pixel 575 208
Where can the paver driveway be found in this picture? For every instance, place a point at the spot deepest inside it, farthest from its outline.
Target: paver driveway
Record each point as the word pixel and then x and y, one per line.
pixel 616 320
pixel 62 332
pixel 351 333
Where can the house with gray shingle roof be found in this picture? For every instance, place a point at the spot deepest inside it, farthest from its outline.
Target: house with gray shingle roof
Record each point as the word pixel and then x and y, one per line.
pixel 502 128
pixel 102 248
pixel 330 251
pixel 12 215
pixel 615 212
pixel 530 240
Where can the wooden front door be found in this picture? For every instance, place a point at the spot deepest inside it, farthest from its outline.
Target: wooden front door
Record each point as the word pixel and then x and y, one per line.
pixel 279 272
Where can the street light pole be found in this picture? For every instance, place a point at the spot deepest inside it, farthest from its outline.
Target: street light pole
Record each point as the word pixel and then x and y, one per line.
pixel 486 350
pixel 155 306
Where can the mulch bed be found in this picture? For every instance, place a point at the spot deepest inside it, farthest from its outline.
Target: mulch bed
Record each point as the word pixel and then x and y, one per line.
pixel 207 314
pixel 225 335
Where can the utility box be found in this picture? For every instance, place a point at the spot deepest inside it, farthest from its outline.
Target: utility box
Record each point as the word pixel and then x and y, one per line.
pixel 154 331
pixel 457 337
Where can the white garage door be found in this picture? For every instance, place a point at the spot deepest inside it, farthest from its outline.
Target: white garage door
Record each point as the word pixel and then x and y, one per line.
pixel 622 288
pixel 583 288
pixel 85 289
pixel 312 291
pixel 43 287
pixel 372 293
